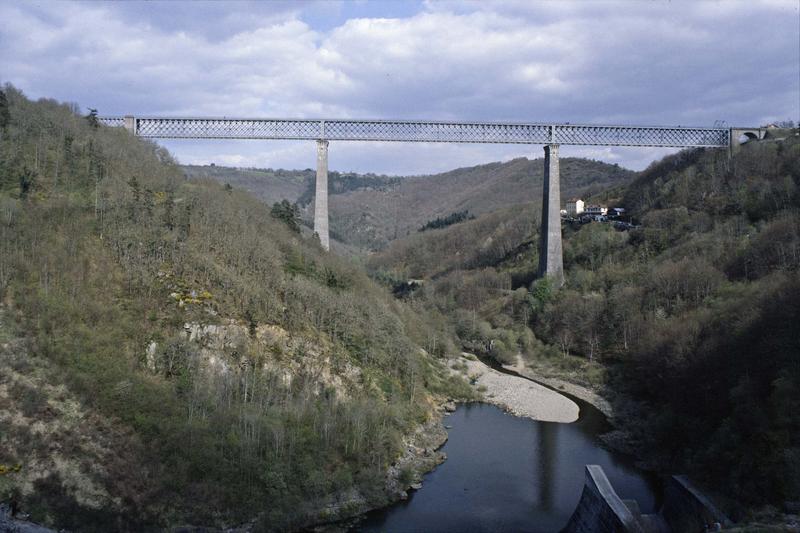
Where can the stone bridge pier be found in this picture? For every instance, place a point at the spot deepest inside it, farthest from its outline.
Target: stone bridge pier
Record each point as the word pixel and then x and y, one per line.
pixel 321 196
pixel 551 262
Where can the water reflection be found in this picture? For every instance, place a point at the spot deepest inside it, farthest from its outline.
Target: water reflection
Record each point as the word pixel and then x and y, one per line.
pixel 511 474
pixel 546 481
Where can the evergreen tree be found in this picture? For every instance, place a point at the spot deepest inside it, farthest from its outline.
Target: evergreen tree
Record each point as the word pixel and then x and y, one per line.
pixel 25 183
pixel 449 220
pixel 69 156
pixel 169 205
pixel 288 213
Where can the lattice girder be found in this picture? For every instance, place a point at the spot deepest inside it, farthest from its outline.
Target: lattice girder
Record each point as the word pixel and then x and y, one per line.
pixel 421 131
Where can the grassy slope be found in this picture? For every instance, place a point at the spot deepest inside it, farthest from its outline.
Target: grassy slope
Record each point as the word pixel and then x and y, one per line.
pixel 106 250
pixel 692 316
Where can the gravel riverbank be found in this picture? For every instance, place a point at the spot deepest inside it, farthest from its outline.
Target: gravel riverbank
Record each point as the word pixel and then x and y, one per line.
pixel 577 391
pixel 517 395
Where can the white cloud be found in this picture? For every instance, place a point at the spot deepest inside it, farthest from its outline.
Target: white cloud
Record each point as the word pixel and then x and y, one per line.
pixel 687 63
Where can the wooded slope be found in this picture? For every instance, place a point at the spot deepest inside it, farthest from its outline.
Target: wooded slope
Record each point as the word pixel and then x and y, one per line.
pixel 368 211
pixel 691 317
pixel 240 372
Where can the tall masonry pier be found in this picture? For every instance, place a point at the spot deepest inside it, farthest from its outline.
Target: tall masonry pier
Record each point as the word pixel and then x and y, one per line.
pixel 321 196
pixel 551 262
pixel 551 135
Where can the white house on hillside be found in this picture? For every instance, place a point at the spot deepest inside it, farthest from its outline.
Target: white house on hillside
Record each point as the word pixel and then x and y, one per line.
pixel 600 210
pixel 574 206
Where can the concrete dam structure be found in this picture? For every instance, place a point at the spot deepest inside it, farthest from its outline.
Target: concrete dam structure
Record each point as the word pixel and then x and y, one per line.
pixel 684 510
pixel 550 135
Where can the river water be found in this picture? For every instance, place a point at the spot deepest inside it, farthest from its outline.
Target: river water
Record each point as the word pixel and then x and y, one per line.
pixel 505 473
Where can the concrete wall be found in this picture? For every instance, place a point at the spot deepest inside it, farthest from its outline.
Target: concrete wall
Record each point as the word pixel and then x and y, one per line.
pixel 686 510
pixel 600 510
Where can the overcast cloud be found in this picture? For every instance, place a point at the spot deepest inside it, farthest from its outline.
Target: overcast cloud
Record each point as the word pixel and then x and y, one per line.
pixel 687 63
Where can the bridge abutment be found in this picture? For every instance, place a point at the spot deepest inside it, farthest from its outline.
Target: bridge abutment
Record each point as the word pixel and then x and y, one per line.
pixel 749 134
pixel 130 124
pixel 321 197
pixel 551 261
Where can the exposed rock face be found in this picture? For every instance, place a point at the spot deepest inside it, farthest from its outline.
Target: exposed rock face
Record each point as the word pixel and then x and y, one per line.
pixel 222 347
pixel 50 438
pixel 421 455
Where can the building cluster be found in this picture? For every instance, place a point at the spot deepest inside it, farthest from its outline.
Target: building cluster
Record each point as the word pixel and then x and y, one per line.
pixel 575 207
pixel 577 210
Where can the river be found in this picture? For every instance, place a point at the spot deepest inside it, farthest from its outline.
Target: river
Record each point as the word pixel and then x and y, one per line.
pixel 505 473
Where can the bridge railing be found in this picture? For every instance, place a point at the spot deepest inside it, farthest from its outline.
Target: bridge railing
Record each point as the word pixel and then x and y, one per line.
pixel 421 131
pixel 113 121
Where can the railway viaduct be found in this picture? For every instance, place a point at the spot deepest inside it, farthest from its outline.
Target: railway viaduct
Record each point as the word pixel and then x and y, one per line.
pixel 323 131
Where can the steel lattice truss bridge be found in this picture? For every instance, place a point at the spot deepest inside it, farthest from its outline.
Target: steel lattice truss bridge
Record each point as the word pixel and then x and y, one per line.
pixel 420 131
pixel 551 135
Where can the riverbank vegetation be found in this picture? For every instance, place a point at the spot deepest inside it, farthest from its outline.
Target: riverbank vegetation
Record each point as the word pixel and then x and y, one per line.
pixel 307 378
pixel 691 317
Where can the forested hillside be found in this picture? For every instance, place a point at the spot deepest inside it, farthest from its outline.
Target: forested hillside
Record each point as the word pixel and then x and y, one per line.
pixel 688 321
pixel 170 353
pixel 371 219
pixel 294 186
pixel 368 211
pixel 268 185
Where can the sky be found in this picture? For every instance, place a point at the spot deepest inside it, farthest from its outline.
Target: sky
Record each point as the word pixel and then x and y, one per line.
pixel 629 62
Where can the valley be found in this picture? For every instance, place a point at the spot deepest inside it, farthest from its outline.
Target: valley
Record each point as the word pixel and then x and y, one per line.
pixel 176 314
pixel 369 211
pixel 399 266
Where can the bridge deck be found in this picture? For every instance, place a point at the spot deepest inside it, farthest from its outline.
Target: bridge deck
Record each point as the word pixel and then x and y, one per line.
pixel 421 131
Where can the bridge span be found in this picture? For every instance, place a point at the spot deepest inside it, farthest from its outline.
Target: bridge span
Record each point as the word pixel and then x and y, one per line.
pixel 551 135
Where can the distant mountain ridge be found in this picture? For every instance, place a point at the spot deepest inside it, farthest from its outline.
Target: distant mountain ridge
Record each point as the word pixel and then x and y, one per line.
pixel 368 210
